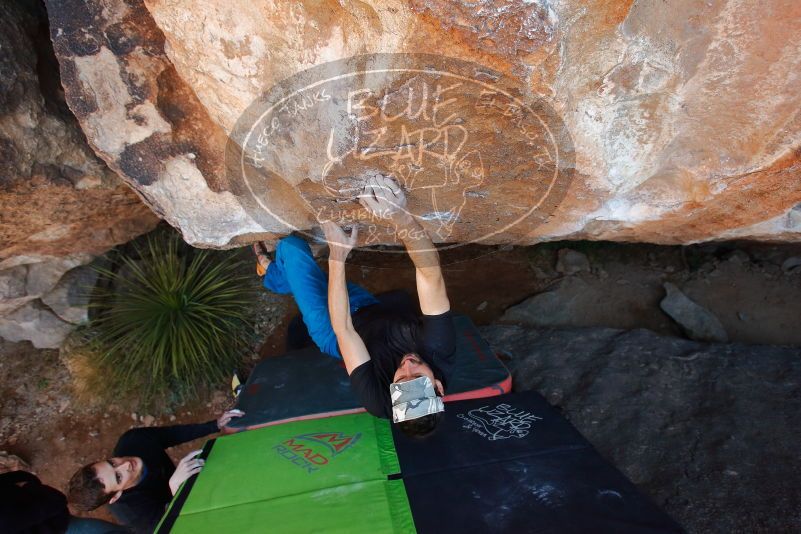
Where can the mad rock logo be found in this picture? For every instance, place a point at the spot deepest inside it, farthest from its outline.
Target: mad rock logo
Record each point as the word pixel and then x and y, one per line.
pixel 472 153
pixel 313 451
pixel 499 422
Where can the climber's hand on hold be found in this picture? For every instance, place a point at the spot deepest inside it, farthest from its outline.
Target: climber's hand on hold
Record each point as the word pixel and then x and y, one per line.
pixel 385 199
pixel 339 243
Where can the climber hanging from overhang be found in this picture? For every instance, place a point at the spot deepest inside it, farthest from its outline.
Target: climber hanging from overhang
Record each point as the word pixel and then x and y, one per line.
pixel 398 361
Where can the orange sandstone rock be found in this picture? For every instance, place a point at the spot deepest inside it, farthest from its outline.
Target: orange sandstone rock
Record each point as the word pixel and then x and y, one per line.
pixel 663 122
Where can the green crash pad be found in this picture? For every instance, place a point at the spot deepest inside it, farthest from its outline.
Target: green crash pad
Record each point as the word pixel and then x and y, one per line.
pixel 325 475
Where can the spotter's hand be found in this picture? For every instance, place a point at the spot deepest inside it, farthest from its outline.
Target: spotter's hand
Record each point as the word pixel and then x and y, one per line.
pixel 226 417
pixel 188 466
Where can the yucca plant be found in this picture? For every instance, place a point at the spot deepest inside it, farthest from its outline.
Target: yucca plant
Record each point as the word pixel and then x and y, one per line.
pixel 169 319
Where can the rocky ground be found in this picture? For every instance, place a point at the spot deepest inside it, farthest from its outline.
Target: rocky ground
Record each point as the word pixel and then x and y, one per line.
pixel 754 291
pixel 710 431
pixel 707 430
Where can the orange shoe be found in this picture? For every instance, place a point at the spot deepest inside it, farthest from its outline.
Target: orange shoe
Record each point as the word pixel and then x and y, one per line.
pixel 262 260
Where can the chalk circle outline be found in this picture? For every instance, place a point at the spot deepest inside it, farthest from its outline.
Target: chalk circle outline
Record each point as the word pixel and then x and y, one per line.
pixel 566 173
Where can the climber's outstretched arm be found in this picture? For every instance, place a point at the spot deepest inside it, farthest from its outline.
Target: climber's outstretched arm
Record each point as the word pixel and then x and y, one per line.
pixel 384 198
pixel 351 346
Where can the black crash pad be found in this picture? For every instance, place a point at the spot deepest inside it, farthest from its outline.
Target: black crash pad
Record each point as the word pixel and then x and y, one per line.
pixel 513 464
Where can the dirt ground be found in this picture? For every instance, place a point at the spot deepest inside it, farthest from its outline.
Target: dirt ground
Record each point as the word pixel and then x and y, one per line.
pixel 744 284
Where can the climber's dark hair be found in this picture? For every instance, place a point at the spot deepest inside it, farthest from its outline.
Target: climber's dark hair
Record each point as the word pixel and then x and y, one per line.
pixel 85 491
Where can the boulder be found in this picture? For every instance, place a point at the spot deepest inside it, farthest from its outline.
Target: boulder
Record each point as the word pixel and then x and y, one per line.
pixel 43 276
pixel 58 197
pixel 38 294
pixel 69 299
pixel 61 204
pixel 12 289
pixel 629 121
pixel 695 320
pixel 792 264
pixel 35 275
pixel 35 322
pixel 590 301
pixel 698 426
pixel 571 261
pixel 556 307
